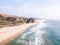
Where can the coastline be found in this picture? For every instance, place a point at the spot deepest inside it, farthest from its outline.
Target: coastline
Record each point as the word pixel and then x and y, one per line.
pixel 9 33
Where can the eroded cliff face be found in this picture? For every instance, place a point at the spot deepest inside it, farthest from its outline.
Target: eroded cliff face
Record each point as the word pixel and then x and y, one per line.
pixel 10 20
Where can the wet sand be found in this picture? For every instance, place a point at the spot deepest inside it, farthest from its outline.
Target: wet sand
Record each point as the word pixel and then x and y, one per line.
pixel 9 33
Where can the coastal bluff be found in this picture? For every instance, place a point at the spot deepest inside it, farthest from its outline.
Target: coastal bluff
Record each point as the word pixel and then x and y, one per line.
pixel 11 20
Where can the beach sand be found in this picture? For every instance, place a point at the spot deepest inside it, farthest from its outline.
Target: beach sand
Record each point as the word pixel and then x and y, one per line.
pixel 9 33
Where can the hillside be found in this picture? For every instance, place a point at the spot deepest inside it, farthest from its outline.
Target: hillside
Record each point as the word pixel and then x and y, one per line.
pixel 10 20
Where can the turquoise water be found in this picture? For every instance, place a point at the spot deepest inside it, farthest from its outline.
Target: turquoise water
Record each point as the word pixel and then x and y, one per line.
pixel 47 32
pixel 52 36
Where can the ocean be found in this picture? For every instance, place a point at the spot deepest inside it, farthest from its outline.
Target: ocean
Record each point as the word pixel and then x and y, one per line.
pixel 47 32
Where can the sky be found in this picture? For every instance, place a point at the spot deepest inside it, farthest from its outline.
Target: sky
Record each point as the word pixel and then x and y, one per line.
pixel 47 9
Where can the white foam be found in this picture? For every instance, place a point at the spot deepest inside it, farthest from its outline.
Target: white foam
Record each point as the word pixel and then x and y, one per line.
pixel 39 32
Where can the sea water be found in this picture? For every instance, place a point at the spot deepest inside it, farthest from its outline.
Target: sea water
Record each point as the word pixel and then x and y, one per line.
pixel 47 32
pixel 52 36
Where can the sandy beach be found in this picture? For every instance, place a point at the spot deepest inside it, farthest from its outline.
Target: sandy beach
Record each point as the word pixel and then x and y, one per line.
pixel 9 33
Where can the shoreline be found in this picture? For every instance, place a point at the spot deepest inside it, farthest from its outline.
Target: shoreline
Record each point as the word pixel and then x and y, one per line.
pixel 9 33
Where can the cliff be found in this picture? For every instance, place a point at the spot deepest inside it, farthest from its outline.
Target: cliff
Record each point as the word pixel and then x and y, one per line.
pixel 10 20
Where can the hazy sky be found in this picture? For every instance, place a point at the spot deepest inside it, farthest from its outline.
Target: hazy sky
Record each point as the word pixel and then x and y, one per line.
pixel 31 8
